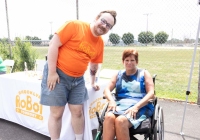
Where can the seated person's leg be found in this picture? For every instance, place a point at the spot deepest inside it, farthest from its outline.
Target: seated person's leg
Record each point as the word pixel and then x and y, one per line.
pixel 122 126
pixel 109 126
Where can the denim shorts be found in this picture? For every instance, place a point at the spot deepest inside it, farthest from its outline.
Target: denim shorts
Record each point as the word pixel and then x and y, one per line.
pixel 70 90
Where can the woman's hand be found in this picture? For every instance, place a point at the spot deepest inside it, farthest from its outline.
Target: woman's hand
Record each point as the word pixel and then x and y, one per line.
pixel 95 87
pixel 111 106
pixel 132 112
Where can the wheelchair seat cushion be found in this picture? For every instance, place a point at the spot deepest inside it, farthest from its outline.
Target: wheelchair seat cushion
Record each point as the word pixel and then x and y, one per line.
pixel 143 128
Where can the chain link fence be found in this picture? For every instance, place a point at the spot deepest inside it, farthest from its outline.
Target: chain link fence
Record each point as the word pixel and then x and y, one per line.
pixel 163 32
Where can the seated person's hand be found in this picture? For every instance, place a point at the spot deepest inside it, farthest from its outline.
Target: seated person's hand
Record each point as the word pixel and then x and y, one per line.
pixel 95 87
pixel 111 106
pixel 131 112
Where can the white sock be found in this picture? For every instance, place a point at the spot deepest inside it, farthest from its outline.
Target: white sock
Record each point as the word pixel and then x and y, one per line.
pixel 79 136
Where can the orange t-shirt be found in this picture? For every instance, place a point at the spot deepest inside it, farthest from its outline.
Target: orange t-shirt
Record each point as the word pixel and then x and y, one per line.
pixel 79 47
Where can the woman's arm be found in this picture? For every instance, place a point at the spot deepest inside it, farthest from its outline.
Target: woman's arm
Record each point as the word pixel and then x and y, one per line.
pixel 149 85
pixel 108 95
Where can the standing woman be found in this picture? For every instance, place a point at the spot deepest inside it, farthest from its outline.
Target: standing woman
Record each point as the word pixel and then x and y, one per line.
pixel 2 67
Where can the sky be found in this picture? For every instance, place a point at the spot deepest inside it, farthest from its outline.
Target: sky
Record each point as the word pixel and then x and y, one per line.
pixel 178 18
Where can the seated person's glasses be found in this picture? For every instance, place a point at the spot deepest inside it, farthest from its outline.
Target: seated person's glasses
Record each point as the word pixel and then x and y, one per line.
pixel 108 26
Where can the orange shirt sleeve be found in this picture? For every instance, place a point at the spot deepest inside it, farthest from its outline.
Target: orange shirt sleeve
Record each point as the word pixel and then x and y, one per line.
pixel 65 32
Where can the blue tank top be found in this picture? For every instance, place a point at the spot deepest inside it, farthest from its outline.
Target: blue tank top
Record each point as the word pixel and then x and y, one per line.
pixel 130 89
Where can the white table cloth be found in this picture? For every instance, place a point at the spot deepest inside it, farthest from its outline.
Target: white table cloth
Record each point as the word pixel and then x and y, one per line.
pixel 19 103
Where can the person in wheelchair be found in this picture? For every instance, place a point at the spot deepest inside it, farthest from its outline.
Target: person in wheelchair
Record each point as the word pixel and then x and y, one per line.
pixel 134 89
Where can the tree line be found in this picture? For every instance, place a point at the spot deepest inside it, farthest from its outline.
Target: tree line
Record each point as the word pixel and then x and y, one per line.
pixel 144 38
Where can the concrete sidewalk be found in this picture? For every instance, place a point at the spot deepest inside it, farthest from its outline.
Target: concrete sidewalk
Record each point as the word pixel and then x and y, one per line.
pixel 173 115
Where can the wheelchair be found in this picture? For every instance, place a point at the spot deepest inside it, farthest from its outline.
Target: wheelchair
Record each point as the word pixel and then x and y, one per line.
pixel 152 128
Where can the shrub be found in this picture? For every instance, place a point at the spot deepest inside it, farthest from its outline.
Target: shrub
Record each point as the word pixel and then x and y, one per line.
pixel 4 48
pixel 24 52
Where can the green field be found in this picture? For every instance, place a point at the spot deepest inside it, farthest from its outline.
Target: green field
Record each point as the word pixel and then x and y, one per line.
pixel 171 64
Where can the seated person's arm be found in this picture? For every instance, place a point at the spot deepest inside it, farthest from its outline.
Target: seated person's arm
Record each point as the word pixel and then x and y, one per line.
pixel 107 92
pixel 149 85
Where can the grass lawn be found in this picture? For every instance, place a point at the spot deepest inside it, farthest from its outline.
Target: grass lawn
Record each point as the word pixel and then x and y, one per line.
pixel 171 64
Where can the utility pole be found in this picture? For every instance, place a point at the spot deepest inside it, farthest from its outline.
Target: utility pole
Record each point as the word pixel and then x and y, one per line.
pixel 147 14
pixel 77 14
pixel 8 29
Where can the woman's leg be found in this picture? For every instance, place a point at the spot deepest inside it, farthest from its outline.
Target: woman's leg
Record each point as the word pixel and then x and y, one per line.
pixel 122 126
pixel 109 126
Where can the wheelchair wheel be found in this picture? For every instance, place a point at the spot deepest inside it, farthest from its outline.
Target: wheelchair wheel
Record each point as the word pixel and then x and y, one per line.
pixel 98 136
pixel 101 119
pixel 161 124
pixel 155 135
pixel 103 112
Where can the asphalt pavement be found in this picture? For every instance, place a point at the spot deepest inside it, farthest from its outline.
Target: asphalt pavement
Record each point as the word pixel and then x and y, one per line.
pixel 173 122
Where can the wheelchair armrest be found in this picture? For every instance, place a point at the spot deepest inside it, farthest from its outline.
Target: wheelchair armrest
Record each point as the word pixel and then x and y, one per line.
pixel 113 95
pixel 151 100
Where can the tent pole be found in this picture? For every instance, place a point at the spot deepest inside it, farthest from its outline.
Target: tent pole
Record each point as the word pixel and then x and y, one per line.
pixel 190 78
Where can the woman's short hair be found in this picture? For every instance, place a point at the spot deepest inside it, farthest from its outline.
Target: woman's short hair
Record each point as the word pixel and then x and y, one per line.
pixel 129 52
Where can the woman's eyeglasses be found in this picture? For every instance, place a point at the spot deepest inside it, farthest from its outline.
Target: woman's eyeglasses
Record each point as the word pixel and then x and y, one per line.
pixel 104 22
